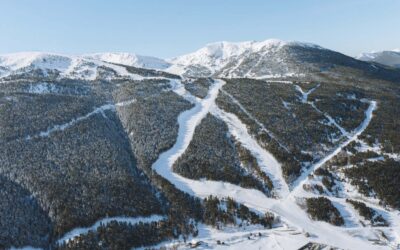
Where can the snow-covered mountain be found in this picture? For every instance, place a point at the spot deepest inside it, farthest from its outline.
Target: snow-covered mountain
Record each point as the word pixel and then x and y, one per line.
pixel 244 59
pixel 19 61
pixel 129 59
pixel 389 58
pixel 109 151
pixel 79 67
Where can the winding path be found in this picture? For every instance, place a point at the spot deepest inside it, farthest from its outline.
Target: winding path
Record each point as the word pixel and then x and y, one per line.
pixel 287 207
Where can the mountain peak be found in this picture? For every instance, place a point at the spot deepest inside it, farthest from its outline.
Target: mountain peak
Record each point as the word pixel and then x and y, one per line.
pixel 221 57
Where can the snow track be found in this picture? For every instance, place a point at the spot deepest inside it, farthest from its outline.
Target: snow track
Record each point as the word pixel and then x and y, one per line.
pixel 263 128
pixel 266 160
pixel 98 110
pixel 297 185
pixel 287 207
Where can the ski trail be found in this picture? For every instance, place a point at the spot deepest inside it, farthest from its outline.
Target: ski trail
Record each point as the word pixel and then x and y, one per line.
pixel 263 128
pixel 188 121
pixel 287 208
pixel 266 160
pixel 297 185
pixel 105 221
pixel 331 120
pixel 304 99
pixel 98 110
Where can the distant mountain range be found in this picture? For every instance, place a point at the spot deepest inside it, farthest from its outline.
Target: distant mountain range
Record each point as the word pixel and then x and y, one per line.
pixel 389 58
pixel 267 59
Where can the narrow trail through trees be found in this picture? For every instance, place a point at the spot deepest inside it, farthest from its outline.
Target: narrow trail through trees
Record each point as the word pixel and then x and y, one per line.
pixel 287 206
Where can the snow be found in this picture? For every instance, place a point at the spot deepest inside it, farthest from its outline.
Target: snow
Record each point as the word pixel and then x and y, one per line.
pixel 286 208
pixel 130 220
pixel 20 60
pixel 286 105
pixel 304 95
pixel 297 185
pixel 98 110
pixel 265 159
pixel 285 203
pixel 42 88
pixel 130 60
pixel 215 56
pixel 243 238
pixel 83 67
pixel 304 99
pixel 263 128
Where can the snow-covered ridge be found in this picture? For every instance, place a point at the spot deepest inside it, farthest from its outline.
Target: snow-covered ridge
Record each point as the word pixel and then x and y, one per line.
pixel 215 56
pixel 390 57
pixel 74 66
pixel 18 61
pixel 222 50
pixel 129 59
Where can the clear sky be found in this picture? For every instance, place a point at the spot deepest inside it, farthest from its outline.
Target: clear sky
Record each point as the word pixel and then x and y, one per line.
pixel 167 28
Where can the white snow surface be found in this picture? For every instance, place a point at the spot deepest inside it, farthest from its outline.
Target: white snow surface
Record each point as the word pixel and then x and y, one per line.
pixel 215 56
pixel 79 67
pixel 130 60
pixel 42 88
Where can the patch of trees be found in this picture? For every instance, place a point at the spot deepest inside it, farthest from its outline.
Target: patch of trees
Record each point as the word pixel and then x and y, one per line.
pixel 361 157
pixel 342 103
pixel 322 209
pixel 149 72
pixel 384 127
pixel 296 128
pixel 314 246
pixel 81 174
pixel 328 180
pixel 26 116
pixel 151 121
pixel 122 235
pixel 22 221
pixel 152 124
pixel 218 213
pixel 249 162
pixel 198 87
pixel 212 155
pixel 368 213
pixel 382 177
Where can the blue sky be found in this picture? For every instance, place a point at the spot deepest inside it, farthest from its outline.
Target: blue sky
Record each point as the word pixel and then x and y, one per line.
pixel 167 28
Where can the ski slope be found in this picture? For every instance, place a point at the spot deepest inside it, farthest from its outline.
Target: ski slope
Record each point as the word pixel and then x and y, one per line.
pixel 287 206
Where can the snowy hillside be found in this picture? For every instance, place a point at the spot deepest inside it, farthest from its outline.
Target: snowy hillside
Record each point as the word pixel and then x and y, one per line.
pixel 85 67
pixel 389 58
pixel 19 61
pixel 134 60
pixel 253 145
pixel 236 59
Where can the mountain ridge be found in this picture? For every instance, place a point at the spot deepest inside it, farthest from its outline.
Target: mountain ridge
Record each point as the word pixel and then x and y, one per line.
pixel 386 57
